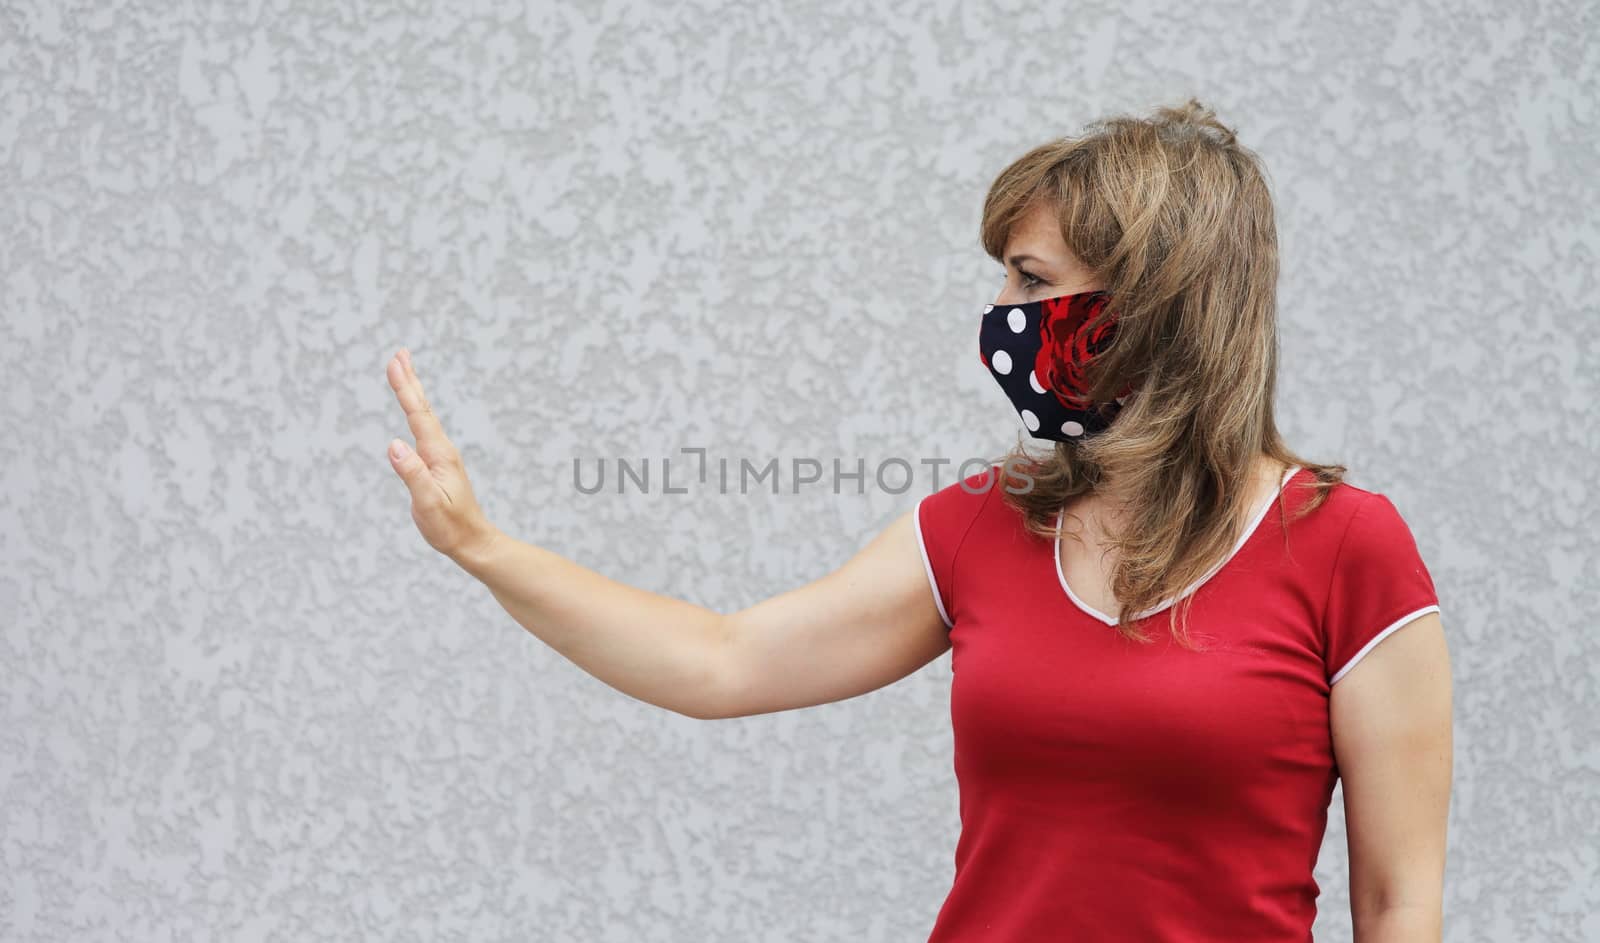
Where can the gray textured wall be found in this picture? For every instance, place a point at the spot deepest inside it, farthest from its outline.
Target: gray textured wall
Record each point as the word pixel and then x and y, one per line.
pixel 240 699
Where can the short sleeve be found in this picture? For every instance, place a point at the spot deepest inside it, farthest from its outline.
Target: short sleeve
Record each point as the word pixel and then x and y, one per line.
pixel 943 520
pixel 1379 585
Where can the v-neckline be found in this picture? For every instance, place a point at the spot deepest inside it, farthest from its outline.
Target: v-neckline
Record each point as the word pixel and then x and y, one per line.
pixel 1244 538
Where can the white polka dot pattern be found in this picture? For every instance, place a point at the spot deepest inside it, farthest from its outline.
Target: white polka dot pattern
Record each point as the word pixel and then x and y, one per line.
pixel 1036 352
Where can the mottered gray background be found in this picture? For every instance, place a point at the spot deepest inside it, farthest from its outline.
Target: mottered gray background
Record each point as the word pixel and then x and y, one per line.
pixel 240 698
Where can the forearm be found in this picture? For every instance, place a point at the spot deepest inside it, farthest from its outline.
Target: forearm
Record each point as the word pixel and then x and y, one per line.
pixel 1400 924
pixel 661 650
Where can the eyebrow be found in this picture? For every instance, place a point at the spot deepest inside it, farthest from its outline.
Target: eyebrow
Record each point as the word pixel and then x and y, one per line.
pixel 1017 259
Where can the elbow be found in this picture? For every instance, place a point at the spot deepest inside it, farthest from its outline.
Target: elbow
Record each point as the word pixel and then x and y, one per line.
pixel 703 715
pixel 703 709
pixel 1398 911
pixel 717 698
pixel 713 703
pixel 1399 923
pixel 709 711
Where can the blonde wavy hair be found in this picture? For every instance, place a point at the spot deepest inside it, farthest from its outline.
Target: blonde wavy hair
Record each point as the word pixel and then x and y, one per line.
pixel 1176 218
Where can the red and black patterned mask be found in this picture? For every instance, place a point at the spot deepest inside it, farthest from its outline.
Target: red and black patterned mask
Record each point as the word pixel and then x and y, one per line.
pixel 1038 352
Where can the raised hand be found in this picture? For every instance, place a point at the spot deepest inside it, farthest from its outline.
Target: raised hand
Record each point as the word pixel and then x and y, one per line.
pixel 442 504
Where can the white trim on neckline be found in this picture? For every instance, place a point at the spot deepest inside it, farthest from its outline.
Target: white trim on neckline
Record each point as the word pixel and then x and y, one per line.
pixel 1249 531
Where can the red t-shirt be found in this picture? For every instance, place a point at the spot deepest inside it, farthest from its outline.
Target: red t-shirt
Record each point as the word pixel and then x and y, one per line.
pixel 1117 791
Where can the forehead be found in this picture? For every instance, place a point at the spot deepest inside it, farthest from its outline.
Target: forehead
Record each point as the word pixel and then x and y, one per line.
pixel 1037 231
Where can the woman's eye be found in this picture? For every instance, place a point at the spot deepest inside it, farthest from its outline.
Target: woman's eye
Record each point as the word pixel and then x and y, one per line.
pixel 1028 279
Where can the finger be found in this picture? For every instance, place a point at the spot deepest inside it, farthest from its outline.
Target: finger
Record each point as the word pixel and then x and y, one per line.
pixel 434 446
pixel 412 470
pixel 432 443
pixel 411 378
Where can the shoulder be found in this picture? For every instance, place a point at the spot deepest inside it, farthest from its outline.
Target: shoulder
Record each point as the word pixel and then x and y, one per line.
pixel 1360 540
pixel 1377 580
pixel 1347 507
pixel 944 519
pixel 959 503
pixel 1364 517
pixel 1376 534
pixel 1354 529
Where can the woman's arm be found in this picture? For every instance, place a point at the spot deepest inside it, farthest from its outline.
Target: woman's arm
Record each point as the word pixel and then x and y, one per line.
pixel 872 621
pixel 661 650
pixel 1391 725
pixel 868 624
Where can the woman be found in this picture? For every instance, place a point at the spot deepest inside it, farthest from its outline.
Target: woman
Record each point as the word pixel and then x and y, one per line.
pixel 1166 632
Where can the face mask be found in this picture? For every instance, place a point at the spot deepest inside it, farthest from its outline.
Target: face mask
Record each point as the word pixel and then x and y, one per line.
pixel 1038 351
